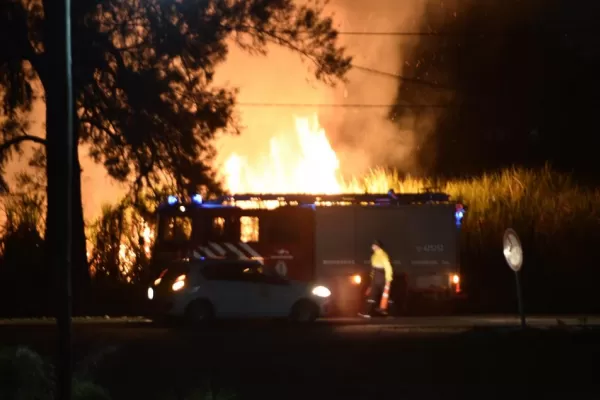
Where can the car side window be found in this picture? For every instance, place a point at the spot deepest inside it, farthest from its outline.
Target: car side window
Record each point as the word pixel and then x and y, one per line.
pixel 253 272
pixel 232 272
pixel 267 275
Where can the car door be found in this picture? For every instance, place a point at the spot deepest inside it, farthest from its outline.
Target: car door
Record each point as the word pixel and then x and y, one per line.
pixel 231 289
pixel 276 299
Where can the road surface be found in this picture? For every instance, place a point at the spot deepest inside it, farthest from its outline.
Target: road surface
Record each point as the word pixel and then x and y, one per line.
pixel 452 322
pixel 412 358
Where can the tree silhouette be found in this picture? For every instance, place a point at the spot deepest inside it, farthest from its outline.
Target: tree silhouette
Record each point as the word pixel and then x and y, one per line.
pixel 143 82
pixel 25 276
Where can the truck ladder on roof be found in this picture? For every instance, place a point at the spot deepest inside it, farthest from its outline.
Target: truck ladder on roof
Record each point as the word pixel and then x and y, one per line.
pixel 303 199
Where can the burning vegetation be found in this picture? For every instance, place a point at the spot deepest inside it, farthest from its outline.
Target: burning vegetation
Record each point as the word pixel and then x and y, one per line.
pixel 304 162
pixel 120 243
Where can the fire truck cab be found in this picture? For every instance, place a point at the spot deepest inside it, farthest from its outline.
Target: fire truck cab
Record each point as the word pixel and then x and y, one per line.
pixel 322 238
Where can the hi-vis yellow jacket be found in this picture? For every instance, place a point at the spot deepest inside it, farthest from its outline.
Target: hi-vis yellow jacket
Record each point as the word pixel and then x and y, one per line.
pixel 380 259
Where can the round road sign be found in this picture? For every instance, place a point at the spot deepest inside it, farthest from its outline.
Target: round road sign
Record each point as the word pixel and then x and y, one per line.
pixel 513 251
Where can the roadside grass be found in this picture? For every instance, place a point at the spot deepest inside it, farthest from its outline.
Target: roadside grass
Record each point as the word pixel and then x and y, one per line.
pixel 25 375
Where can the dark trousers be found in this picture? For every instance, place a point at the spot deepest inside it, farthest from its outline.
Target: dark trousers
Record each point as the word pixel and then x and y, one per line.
pixel 375 290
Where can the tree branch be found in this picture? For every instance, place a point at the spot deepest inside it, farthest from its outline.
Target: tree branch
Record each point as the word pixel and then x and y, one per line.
pixel 14 142
pixel 20 139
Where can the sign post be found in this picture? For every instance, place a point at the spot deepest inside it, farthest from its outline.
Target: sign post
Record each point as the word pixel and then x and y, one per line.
pixel 60 150
pixel 513 252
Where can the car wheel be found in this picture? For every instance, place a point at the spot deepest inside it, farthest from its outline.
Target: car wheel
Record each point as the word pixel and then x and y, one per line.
pixel 304 311
pixel 199 311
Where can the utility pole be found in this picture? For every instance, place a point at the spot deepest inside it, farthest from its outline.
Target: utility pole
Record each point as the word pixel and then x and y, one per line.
pixel 59 154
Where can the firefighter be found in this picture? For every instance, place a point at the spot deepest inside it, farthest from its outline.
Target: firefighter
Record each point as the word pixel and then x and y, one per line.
pixel 382 275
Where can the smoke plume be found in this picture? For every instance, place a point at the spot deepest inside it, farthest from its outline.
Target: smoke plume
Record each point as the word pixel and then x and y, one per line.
pixel 363 136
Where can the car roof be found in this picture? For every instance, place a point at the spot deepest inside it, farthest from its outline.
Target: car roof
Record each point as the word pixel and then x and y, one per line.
pixel 217 261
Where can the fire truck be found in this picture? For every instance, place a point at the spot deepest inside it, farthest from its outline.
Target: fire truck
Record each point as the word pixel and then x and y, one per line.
pixel 322 238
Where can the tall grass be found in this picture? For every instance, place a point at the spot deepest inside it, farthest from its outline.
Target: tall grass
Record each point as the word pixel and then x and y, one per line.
pixel 545 198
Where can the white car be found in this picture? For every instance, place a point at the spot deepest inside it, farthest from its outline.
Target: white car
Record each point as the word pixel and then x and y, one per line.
pixel 200 290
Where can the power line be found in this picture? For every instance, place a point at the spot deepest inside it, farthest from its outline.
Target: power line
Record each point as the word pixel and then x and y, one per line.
pixel 469 33
pixel 341 105
pixel 398 34
pixel 359 105
pixel 401 78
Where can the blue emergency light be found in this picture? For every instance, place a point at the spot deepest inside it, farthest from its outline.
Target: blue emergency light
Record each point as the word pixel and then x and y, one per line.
pixel 197 198
pixel 172 200
pixel 459 214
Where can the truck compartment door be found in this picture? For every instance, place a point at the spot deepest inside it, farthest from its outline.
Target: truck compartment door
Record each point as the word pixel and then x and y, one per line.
pixel 334 241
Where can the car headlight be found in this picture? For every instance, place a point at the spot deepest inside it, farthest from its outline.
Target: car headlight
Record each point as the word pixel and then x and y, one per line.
pixel 321 291
pixel 179 283
pixel 150 293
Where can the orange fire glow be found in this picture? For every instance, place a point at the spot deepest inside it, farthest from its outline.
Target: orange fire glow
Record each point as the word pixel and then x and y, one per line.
pixel 300 163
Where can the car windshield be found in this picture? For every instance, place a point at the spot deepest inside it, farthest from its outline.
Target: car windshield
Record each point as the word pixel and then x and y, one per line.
pixel 173 271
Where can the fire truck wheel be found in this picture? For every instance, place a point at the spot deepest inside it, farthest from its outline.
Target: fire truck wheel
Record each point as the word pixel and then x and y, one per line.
pixel 199 311
pixel 304 311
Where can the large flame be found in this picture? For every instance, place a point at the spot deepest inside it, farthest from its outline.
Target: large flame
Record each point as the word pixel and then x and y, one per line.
pixel 301 163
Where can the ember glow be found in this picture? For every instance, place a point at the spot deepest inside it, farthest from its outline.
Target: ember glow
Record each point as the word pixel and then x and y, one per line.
pixel 149 237
pixel 128 257
pixel 136 240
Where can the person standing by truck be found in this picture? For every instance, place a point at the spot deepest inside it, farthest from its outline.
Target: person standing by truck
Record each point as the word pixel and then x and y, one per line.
pixel 382 275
